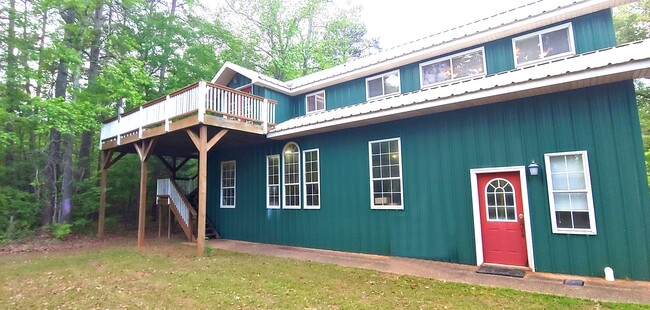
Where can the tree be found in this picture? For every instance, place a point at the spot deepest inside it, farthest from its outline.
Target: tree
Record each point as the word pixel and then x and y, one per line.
pixel 295 38
pixel 632 23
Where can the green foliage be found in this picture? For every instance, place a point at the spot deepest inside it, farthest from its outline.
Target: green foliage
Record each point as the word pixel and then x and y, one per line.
pixel 60 230
pixel 19 213
pixel 295 38
pixel 632 21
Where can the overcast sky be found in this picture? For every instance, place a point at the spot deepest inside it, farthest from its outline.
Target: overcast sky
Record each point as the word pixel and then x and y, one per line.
pixel 400 21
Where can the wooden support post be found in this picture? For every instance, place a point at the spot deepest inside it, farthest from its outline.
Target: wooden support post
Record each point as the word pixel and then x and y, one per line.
pixel 107 162
pixel 159 219
pixel 169 222
pixel 144 150
pixel 102 194
pixel 203 145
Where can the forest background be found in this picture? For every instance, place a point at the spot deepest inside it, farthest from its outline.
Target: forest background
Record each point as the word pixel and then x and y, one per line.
pixel 64 64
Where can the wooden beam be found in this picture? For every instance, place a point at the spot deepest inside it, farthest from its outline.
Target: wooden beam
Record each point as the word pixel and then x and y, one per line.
pixel 216 138
pixel 182 163
pixel 195 138
pixel 203 168
pixel 142 213
pixel 102 193
pixel 114 160
pixel 144 151
pixel 170 166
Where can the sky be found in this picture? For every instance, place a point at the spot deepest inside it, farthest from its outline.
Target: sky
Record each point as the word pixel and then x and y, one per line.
pixel 400 21
pixel 395 22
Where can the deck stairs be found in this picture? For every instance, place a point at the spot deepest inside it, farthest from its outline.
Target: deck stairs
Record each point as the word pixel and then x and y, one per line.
pixel 182 201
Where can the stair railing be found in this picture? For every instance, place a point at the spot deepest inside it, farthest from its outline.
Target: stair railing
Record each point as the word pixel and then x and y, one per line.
pixel 179 205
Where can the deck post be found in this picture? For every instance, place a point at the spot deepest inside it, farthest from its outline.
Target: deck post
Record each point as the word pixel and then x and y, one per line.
pixel 107 162
pixel 168 109
pixel 265 115
pixel 201 93
pixel 144 150
pixel 203 145
pixel 102 194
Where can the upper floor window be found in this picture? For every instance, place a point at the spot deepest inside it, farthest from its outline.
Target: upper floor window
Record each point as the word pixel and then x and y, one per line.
pixel 548 43
pixel 382 85
pixel 386 174
pixel 228 184
pixel 315 102
pixel 291 176
pixel 459 66
pixel 569 190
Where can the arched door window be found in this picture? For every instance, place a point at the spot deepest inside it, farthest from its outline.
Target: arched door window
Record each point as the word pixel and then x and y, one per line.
pixel 500 201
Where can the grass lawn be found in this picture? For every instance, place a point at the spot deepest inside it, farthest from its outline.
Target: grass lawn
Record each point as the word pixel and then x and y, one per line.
pixel 166 275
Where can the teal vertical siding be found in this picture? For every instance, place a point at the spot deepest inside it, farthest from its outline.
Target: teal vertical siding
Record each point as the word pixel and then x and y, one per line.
pixel 345 94
pixel 591 32
pixel 284 109
pixel 594 31
pixel 438 151
pixel 238 81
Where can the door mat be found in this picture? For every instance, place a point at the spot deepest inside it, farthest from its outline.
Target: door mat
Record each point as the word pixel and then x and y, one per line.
pixel 500 271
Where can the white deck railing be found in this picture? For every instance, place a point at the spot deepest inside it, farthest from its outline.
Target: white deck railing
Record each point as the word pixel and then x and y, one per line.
pixel 165 187
pixel 200 98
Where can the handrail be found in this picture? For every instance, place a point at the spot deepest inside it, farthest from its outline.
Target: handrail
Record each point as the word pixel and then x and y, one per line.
pixel 200 99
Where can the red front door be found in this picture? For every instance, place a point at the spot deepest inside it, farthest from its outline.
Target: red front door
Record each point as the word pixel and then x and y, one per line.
pixel 502 218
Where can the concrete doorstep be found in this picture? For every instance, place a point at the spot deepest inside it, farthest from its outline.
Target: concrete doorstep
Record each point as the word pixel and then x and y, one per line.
pixel 538 282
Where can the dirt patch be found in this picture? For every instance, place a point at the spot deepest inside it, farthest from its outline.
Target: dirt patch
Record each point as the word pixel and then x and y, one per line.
pixel 44 243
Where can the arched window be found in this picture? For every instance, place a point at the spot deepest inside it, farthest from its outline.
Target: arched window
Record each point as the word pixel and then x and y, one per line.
pixel 500 201
pixel 291 175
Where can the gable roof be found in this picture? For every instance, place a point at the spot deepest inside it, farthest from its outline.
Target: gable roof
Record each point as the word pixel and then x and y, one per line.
pixel 609 65
pixel 521 19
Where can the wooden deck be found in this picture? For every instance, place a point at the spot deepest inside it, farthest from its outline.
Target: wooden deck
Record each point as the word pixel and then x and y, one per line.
pixel 201 103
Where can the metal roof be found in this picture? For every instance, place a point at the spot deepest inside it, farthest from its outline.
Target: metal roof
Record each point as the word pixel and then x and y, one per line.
pixel 517 20
pixel 623 62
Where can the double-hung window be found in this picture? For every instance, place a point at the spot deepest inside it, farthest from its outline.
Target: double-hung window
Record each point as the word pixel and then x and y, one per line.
pixel 383 85
pixel 548 43
pixel 291 176
pixel 569 189
pixel 455 67
pixel 228 184
pixel 315 102
pixel 312 178
pixel 386 174
pixel 273 181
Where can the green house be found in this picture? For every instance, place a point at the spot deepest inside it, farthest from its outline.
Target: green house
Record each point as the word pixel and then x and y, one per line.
pixel 513 140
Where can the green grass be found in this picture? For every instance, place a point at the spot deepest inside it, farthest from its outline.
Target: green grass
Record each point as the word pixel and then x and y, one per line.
pixel 166 275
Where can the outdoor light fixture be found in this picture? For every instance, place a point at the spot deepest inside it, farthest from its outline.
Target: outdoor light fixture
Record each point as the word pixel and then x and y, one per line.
pixel 533 168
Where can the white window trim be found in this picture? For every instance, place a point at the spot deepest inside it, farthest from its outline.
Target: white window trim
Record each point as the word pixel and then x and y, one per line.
pixel 399 86
pixel 590 200
pixel 315 94
pixel 401 176
pixel 221 205
pixel 482 49
pixel 304 171
pixel 283 202
pixel 268 203
pixel 572 46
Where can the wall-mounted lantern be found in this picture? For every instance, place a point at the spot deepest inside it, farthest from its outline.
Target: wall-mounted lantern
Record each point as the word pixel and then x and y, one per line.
pixel 533 168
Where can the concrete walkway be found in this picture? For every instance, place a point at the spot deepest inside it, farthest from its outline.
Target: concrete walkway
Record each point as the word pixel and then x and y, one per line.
pixel 594 288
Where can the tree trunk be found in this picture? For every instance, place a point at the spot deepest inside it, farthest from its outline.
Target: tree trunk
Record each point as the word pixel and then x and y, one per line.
pixel 166 51
pixel 85 144
pixel 69 15
pixel 51 191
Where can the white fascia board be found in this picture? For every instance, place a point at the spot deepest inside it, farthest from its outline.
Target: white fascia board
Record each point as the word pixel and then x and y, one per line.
pixel 625 71
pixel 517 27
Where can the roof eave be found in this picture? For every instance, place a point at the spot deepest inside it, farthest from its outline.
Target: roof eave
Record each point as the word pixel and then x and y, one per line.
pixel 598 76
